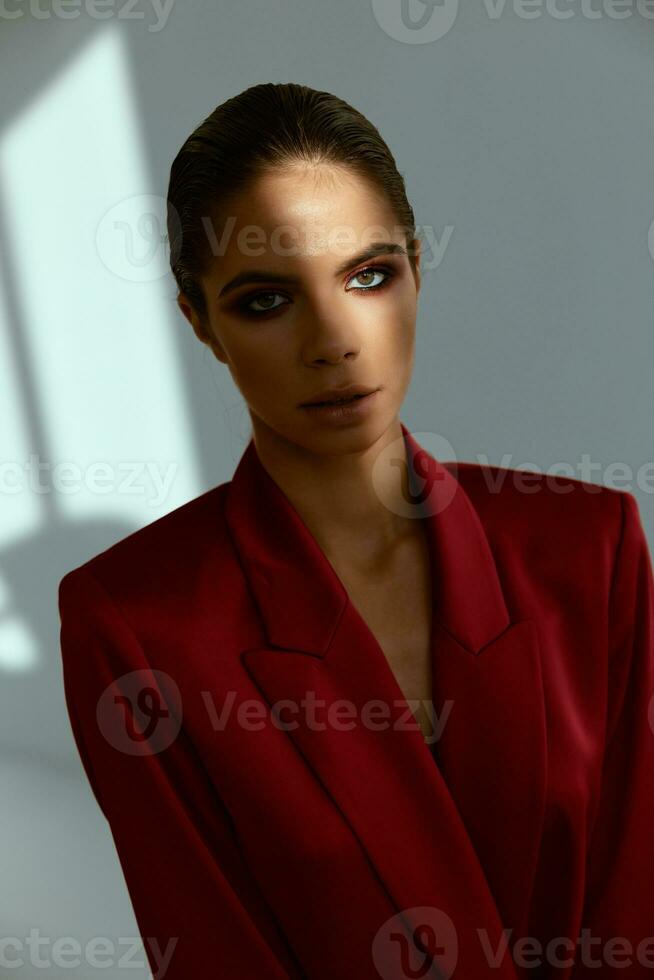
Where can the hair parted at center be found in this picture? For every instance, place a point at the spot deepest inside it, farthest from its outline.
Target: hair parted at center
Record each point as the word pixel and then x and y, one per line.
pixel 268 127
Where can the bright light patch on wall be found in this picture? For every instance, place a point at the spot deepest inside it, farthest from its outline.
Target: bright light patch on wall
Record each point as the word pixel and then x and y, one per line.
pixel 95 312
pixel 18 652
pixel 20 512
pixel 18 649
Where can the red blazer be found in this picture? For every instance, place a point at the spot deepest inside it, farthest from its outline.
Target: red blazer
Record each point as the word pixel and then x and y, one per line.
pixel 274 812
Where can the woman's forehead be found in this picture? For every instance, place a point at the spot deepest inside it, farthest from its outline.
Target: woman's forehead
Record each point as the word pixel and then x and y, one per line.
pixel 280 197
pixel 301 227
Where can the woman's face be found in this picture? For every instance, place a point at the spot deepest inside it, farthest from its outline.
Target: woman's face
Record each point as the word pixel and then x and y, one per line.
pixel 292 309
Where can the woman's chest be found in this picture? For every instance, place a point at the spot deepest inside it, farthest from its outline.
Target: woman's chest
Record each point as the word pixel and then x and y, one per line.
pixel 397 609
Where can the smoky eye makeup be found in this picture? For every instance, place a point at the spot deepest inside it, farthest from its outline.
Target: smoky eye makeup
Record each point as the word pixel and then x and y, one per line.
pixel 246 305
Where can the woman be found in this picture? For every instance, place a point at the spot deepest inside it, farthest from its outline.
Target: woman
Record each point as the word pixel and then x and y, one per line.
pixel 357 712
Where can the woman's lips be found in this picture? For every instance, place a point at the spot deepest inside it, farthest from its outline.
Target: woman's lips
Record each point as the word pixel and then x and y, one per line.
pixel 340 394
pixel 338 401
pixel 343 413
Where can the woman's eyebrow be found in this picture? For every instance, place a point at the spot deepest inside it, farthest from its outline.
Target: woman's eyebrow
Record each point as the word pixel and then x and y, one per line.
pixel 263 275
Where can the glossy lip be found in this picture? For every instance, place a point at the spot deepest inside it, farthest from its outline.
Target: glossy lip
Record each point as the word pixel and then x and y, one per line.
pixel 347 391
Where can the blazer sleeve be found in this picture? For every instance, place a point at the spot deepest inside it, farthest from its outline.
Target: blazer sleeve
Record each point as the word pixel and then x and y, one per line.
pixel 619 899
pixel 195 901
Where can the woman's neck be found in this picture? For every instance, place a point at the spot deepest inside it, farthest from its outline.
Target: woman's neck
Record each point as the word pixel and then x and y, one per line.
pixel 356 517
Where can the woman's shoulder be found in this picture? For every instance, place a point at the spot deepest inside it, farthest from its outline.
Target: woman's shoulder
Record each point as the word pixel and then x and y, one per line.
pixel 559 542
pixel 547 517
pixel 529 499
pixel 160 557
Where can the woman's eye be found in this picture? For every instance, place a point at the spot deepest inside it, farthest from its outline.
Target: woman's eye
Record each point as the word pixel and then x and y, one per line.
pixel 262 299
pixel 371 272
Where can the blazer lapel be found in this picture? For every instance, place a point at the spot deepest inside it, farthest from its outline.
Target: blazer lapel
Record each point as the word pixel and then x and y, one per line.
pixel 459 832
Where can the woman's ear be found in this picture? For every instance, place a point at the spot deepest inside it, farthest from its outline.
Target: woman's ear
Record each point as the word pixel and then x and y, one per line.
pixel 201 327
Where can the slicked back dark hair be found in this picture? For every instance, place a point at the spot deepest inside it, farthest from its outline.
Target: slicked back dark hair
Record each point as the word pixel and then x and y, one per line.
pixel 268 127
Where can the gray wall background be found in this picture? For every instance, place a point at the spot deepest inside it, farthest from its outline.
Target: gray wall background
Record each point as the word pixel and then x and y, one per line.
pixel 529 134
